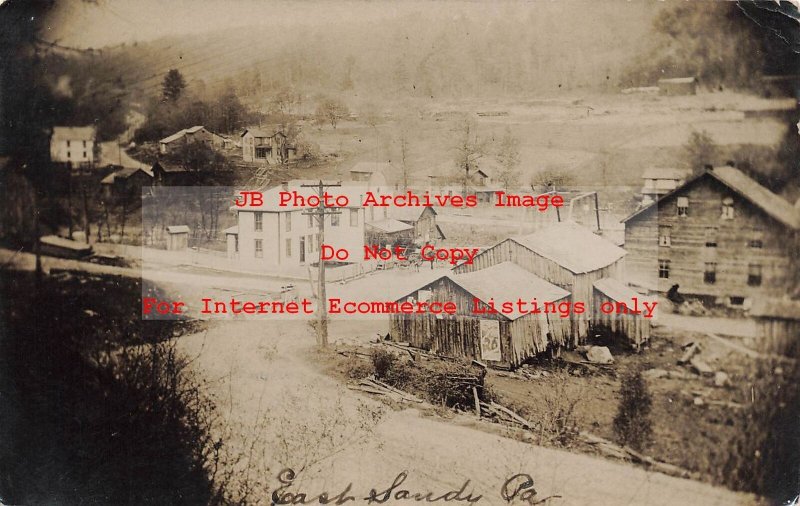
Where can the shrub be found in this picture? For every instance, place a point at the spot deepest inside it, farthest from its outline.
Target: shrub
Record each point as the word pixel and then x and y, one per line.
pixel 632 425
pixel 383 362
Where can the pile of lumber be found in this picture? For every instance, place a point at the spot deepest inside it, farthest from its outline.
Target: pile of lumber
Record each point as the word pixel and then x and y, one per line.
pixel 373 386
pixel 503 414
pixel 609 449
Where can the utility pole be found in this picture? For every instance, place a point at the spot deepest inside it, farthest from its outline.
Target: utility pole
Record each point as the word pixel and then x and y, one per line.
pixel 322 298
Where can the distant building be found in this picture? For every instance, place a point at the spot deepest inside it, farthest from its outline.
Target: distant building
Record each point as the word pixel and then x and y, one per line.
pixel 423 219
pixel 720 236
pixel 660 181
pixel 678 86
pixel 199 134
pixel 271 235
pixel 126 180
pixel 171 174
pixel 371 174
pixel 271 147
pixel 389 232
pixel 73 145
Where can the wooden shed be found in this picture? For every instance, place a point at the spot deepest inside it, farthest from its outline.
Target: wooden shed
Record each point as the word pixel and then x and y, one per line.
pixel 508 338
pixel 633 328
pixel 566 255
pixel 778 325
pixel 177 237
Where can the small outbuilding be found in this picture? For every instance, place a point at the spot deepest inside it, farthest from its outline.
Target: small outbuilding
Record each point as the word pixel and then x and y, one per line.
pixel 778 325
pixel 389 232
pixel 177 237
pixel 631 327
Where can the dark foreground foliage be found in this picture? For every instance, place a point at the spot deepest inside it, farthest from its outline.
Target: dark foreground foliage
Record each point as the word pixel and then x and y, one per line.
pixel 98 408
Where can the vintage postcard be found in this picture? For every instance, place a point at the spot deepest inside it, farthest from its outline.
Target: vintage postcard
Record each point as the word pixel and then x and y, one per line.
pixel 264 252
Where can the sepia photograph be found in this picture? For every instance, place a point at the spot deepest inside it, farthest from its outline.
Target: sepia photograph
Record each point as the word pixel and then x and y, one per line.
pixel 519 252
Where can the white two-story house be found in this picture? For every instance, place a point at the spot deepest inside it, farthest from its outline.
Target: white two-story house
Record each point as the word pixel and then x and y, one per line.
pixel 73 145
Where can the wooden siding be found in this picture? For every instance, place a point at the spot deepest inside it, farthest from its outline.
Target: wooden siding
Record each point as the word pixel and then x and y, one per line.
pixel 634 329
pixel 579 285
pixel 778 336
pixel 688 253
pixel 459 335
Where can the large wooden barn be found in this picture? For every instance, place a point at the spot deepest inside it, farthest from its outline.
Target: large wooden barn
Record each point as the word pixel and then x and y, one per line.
pixel 721 237
pixel 566 255
pixel 507 338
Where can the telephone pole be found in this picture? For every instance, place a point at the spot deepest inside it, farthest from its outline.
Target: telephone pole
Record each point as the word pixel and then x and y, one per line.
pixel 322 298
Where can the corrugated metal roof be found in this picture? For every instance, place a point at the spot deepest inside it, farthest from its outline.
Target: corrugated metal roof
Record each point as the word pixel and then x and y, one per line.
pixel 507 281
pixel 573 247
pixel 779 309
pixel 390 225
pixel 72 133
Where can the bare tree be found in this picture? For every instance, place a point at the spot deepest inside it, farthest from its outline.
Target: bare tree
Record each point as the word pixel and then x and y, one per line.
pixel 508 157
pixel 469 149
pixel 331 110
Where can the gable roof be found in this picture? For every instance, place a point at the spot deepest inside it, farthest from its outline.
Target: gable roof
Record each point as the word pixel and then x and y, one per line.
pixel 174 137
pixel 773 205
pixel 261 132
pixel 389 225
pixel 573 247
pixel 124 173
pixel 72 133
pixel 618 291
pixel 409 214
pixel 501 282
pixel 194 129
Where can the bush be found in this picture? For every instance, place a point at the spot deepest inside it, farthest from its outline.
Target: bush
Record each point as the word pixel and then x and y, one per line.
pixel 383 362
pixel 632 425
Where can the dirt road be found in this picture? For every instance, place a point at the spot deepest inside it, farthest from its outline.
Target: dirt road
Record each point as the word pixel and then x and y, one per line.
pixel 283 412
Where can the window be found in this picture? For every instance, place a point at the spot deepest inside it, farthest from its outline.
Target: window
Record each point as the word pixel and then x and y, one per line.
pixel 736 301
pixel 353 217
pixel 335 218
pixel 289 222
pixel 259 248
pixel 711 237
pixel 68 143
pixel 261 152
pixel 727 208
pixel 371 214
pixel 236 243
pixel 754 275
pixel 683 206
pixel 288 248
pixel 664 237
pixel 317 243
pixel 69 155
pixel 258 224
pixel 84 154
pixel 710 274
pixel 663 269
pixel 310 220
pixel 756 239
pixel 84 144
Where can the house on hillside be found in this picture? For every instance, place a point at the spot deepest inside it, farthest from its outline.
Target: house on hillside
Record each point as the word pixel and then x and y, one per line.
pixel 199 134
pixel 423 219
pixel 678 86
pixel 171 174
pixel 506 338
pixel 126 181
pixel 271 236
pixel 721 237
pixel 659 181
pixel 73 145
pixel 566 255
pixel 372 174
pixel 269 146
